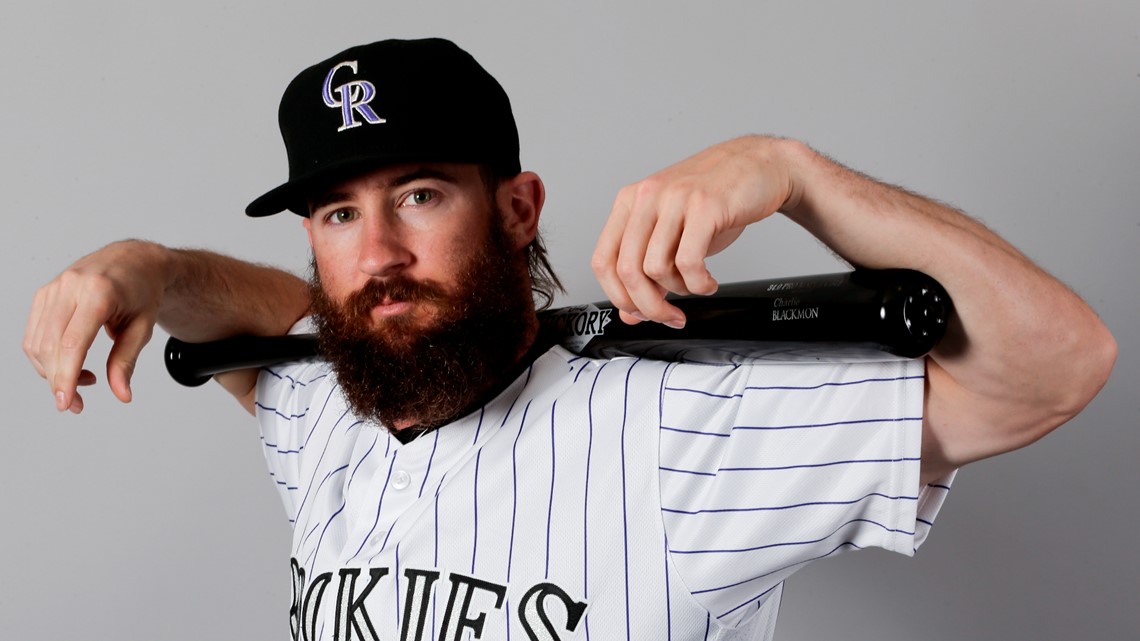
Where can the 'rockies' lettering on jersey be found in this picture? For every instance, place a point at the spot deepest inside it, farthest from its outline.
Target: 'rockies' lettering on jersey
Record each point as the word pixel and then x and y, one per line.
pixel 593 499
pixel 469 602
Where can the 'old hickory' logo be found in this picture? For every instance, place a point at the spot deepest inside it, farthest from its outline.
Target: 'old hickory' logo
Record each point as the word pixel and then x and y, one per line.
pixel 351 97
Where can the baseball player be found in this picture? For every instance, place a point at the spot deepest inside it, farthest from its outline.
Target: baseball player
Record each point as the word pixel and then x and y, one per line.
pixel 449 474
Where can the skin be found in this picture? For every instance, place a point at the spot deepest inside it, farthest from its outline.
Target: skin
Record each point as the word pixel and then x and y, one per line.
pixel 127 287
pixel 130 286
pixel 422 221
pixel 1023 356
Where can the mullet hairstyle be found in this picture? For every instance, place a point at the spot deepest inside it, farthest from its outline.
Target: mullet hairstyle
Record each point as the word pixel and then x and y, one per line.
pixel 543 281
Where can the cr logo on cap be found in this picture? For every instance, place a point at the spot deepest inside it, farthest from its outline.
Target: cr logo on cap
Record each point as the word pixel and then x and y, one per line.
pixel 353 98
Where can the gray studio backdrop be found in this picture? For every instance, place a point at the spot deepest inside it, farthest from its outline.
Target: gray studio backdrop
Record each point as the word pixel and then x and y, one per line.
pixel 156 120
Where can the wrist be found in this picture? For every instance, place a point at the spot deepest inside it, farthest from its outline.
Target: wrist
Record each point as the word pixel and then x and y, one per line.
pixel 135 261
pixel 177 266
pixel 179 276
pixel 794 158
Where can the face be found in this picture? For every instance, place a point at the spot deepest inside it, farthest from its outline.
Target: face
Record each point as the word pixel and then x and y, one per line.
pixel 421 293
pixel 411 221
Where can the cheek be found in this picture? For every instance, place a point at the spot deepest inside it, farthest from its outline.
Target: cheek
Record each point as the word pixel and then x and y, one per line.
pixel 464 254
pixel 335 256
pixel 444 251
pixel 334 280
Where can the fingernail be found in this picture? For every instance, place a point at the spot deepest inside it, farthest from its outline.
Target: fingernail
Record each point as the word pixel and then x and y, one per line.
pixel 676 323
pixel 59 401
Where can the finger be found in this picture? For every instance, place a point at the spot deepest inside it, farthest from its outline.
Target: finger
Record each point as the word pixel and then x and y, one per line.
pixel 124 354
pixel 692 250
pixel 604 261
pixel 31 332
pixel 74 343
pixel 76 405
pixel 648 296
pixel 53 318
pixel 660 262
pixel 629 319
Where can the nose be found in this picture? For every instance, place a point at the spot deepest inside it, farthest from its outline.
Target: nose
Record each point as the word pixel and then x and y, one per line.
pixel 384 249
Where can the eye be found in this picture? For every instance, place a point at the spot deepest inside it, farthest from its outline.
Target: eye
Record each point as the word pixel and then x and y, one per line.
pixel 340 216
pixel 420 197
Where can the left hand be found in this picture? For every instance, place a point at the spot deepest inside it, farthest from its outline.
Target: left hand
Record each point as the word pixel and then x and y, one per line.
pixel 662 228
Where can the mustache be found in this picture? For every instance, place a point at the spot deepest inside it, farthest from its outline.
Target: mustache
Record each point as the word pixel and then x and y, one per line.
pixel 395 288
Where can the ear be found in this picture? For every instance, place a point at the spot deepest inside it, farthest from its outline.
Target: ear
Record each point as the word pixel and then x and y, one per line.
pixel 521 200
pixel 308 223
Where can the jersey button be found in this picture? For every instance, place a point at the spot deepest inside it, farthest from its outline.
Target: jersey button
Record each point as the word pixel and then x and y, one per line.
pixel 401 480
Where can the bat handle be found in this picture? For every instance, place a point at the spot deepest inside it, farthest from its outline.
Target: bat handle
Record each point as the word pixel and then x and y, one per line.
pixel 192 364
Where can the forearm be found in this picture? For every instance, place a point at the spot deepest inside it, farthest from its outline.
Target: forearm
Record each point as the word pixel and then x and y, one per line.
pixel 1026 350
pixel 127 287
pixel 1022 355
pixel 209 296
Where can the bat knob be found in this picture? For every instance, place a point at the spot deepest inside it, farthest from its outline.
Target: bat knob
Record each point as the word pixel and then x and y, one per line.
pixel 179 368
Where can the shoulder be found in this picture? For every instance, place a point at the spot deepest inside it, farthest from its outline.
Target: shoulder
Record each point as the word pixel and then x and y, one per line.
pixel 793 375
pixel 288 389
pixel 706 390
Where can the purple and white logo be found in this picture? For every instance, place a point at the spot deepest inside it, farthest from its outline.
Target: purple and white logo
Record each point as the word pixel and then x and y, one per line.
pixel 351 98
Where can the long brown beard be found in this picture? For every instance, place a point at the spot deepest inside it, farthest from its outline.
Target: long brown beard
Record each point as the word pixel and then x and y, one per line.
pixel 405 371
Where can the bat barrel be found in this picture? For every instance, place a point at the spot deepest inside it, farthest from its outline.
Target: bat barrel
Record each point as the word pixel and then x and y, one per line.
pixel 859 315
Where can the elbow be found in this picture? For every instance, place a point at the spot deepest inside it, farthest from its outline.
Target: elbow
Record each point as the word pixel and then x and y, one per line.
pixel 1092 357
pixel 1046 388
pixel 1079 370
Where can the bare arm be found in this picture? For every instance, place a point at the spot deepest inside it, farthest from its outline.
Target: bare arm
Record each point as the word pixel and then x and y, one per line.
pixel 128 287
pixel 1024 355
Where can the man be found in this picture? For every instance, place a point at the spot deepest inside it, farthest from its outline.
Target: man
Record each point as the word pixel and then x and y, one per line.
pixel 451 475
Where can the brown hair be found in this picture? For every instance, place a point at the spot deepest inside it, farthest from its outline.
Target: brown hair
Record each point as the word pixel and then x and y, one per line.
pixel 543 281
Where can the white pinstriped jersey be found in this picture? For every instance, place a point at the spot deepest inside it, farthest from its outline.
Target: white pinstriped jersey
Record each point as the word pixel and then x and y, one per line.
pixel 593 499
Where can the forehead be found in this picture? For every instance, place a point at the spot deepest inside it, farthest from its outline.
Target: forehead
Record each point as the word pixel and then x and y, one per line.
pixel 462 175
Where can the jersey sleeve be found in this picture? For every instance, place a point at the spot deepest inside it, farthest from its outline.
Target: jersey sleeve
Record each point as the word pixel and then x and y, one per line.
pixel 284 406
pixel 766 468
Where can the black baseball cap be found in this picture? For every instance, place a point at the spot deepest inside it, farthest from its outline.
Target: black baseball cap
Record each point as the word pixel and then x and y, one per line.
pixel 388 102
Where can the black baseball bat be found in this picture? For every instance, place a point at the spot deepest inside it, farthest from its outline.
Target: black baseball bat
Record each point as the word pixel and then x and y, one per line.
pixel 857 315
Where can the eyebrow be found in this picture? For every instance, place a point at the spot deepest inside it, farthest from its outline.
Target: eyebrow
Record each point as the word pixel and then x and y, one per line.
pixel 334 196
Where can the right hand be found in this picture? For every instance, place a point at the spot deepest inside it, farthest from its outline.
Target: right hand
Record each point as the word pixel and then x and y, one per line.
pixel 118 288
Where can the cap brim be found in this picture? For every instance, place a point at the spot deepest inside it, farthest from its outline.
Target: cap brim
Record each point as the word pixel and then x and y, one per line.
pixel 272 202
pixel 294 195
